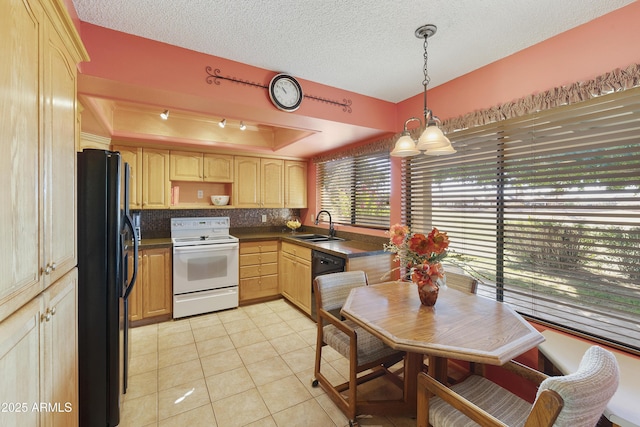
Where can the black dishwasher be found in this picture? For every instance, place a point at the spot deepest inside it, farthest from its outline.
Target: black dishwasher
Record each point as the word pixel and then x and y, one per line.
pixel 323 263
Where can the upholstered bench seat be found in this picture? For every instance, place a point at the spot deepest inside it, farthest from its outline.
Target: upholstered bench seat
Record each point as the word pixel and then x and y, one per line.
pixel 564 352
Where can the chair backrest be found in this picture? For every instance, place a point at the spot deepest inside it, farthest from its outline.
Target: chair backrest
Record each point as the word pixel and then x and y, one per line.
pixel 332 289
pixel 587 391
pixel 461 282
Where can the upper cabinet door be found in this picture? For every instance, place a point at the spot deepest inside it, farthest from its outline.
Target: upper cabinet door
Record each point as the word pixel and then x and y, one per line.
pixel 133 156
pixel 185 166
pixel 60 158
pixel 218 168
pixel 156 187
pixel 295 184
pixel 21 162
pixel 246 185
pixel 272 188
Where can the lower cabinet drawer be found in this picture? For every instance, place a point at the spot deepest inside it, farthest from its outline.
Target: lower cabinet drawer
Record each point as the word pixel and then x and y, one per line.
pixel 258 270
pixel 258 287
pixel 259 258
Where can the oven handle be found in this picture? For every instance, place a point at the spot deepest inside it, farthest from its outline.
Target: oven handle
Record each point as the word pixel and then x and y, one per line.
pixel 216 247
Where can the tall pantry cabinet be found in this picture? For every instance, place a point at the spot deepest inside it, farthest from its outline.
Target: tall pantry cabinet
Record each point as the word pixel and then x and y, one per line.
pixel 40 50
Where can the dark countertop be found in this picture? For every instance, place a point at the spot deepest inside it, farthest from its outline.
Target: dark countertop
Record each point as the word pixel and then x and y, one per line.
pixel 155 243
pixel 344 249
pixel 352 247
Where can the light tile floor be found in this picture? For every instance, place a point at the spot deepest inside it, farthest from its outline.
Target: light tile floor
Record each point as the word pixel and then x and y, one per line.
pixel 251 366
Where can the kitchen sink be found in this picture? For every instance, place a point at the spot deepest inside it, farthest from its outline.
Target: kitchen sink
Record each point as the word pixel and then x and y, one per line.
pixel 315 238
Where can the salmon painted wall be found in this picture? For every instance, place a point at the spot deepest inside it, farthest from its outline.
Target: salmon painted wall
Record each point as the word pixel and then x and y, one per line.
pixel 595 48
pixel 128 67
pixel 152 71
pixel 580 54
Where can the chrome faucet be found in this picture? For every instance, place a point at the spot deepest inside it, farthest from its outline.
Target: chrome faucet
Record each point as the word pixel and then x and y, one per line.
pixel 332 232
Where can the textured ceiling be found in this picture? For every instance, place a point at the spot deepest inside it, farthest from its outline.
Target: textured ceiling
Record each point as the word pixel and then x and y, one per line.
pixel 364 46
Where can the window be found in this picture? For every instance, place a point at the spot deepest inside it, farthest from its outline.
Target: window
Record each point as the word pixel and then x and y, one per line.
pixel 545 210
pixel 356 189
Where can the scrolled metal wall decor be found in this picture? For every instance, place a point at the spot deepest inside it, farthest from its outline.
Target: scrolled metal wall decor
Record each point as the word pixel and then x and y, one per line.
pixel 214 77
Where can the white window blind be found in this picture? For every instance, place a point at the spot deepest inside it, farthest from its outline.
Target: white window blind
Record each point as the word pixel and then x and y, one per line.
pixel 545 210
pixel 356 189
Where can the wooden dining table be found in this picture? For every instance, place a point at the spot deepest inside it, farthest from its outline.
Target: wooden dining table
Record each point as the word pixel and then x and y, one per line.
pixel 460 326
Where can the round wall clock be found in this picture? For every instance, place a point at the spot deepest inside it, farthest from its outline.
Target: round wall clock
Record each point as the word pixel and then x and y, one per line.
pixel 285 92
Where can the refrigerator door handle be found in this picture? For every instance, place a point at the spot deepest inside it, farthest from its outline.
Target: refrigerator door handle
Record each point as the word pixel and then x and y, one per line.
pixel 129 223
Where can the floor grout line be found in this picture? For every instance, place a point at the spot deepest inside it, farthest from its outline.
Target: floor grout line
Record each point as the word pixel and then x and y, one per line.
pixel 289 317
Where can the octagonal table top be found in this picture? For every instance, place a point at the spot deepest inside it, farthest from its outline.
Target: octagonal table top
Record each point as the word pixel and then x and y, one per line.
pixel 460 326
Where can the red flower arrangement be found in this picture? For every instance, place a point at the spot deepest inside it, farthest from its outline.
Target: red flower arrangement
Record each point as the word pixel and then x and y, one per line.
pixel 421 255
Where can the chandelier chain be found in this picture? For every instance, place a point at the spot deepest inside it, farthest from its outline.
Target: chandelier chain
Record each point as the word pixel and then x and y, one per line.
pixel 426 80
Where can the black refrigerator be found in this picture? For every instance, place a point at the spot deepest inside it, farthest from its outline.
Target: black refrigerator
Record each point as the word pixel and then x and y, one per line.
pixel 106 241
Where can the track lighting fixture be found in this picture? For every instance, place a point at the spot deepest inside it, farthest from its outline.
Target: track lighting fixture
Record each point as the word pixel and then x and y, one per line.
pixel 222 123
pixel 242 126
pixel 164 115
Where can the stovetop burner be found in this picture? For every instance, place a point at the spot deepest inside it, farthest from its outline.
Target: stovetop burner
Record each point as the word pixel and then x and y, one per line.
pixel 200 231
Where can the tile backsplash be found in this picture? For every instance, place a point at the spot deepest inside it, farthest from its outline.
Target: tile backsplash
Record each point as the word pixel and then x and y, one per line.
pixel 156 223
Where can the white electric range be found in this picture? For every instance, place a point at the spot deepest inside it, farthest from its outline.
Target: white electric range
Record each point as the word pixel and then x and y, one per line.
pixel 205 266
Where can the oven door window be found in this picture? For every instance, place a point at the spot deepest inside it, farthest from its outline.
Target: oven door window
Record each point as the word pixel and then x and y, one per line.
pixel 206 267
pixel 197 268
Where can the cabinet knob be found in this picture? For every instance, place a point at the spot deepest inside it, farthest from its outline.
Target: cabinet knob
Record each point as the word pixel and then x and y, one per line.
pixel 49 268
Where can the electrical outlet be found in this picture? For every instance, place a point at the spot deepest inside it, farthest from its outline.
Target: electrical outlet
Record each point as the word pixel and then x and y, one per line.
pixel 200 194
pixel 264 218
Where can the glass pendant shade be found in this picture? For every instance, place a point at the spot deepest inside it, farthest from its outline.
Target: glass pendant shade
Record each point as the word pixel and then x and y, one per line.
pixel 433 140
pixel 440 151
pixel 405 147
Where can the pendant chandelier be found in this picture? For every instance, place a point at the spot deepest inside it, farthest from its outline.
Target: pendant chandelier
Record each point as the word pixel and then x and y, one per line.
pixel 432 141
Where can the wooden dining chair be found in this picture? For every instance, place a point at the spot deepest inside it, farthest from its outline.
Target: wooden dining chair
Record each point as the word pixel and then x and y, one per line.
pixel 363 350
pixel 457 279
pixel 574 400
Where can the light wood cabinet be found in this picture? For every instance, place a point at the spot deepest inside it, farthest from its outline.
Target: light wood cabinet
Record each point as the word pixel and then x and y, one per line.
pixel 156 186
pixel 133 156
pixel 38 358
pixel 61 351
pixel 272 183
pixel 39 132
pixel 21 257
pixel 185 166
pixel 38 119
pixel 258 270
pixel 59 158
pixel 246 188
pixel 295 184
pixel 157 295
pixel 20 364
pixel 258 183
pixel 218 168
pixel 152 295
pixel 135 297
pixel 207 167
pixel 295 275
